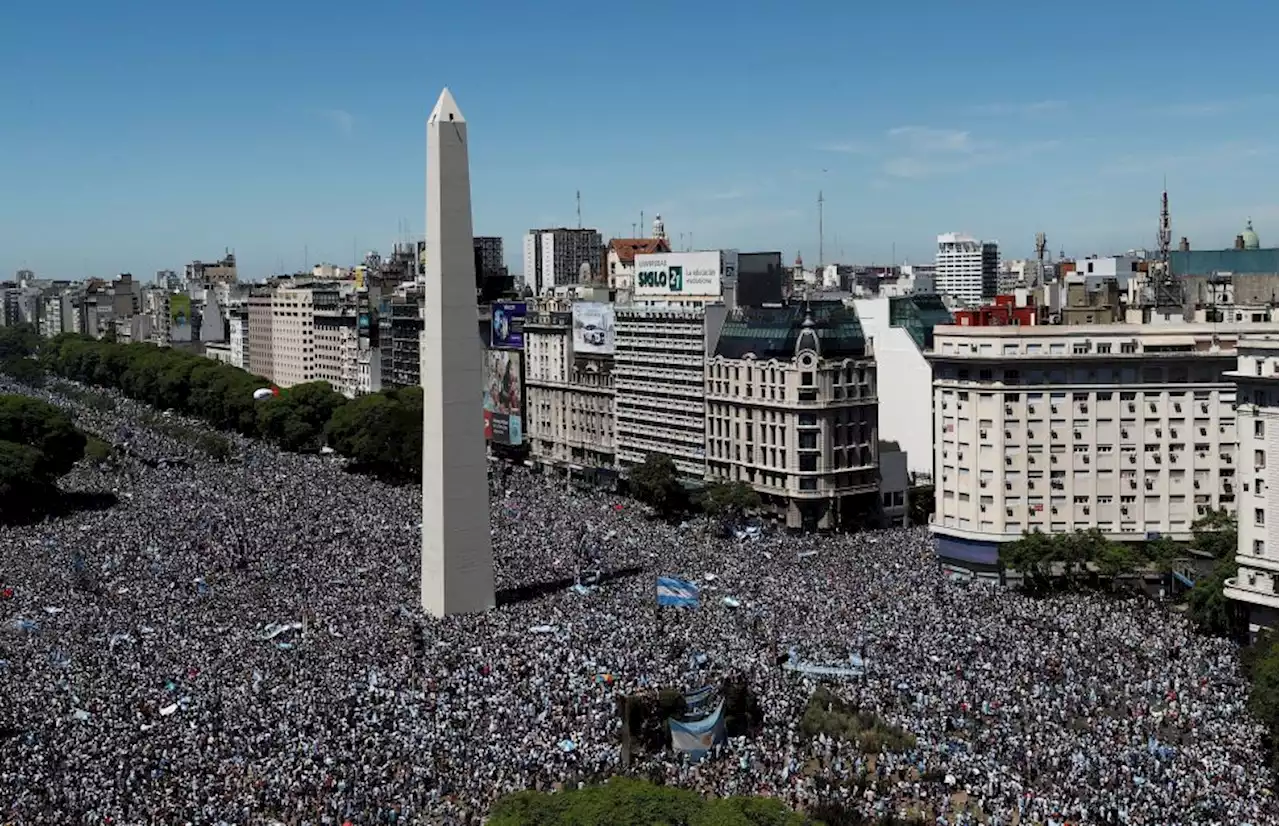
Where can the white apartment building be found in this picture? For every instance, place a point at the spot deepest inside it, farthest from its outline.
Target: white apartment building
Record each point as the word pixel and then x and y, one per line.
pixel 292 336
pixel 1256 377
pixel 791 410
pixel 569 397
pixel 1126 428
pixel 967 269
pixel 901 331
pixel 658 374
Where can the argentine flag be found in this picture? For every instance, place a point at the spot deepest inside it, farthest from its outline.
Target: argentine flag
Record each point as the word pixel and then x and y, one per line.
pixel 696 737
pixel 676 592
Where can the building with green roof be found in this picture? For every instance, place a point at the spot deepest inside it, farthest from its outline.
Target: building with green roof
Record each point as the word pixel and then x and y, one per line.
pixel 792 410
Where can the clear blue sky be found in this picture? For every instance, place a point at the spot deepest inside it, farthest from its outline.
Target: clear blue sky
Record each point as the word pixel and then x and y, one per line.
pixel 138 135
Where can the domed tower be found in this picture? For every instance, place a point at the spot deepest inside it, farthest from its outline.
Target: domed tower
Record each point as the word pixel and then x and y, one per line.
pixel 659 228
pixel 1250 237
pixel 807 341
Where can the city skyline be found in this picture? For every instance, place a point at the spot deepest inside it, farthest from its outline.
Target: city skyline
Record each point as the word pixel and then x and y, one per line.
pixel 283 153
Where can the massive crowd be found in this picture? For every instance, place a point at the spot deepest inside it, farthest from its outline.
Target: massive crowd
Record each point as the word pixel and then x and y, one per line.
pixel 233 643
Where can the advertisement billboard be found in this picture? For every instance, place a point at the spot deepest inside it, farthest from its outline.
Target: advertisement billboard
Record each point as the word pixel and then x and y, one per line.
pixel 503 398
pixel 179 317
pixel 675 274
pixel 506 327
pixel 593 328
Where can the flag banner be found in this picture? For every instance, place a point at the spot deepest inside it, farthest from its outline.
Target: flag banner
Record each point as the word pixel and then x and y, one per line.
pixel 676 592
pixel 696 737
pixel 702 696
pixel 857 667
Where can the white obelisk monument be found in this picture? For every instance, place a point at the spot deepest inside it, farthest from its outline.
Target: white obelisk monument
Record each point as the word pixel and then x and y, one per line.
pixel 457 556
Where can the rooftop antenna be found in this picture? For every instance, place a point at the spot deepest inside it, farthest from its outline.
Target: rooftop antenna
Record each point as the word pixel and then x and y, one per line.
pixel 633 230
pixel 578 197
pixel 821 250
pixel 641 224
pixel 1042 244
pixel 1167 291
pixel 681 240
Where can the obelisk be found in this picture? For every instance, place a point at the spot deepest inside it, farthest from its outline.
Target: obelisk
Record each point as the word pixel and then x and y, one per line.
pixel 457 556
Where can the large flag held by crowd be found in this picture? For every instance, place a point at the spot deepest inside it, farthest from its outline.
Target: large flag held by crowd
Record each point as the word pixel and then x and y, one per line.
pixel 677 593
pixel 696 737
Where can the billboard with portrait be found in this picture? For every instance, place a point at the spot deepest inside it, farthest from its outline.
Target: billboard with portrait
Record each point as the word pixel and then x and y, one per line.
pixel 675 274
pixel 503 394
pixel 506 328
pixel 593 328
pixel 179 317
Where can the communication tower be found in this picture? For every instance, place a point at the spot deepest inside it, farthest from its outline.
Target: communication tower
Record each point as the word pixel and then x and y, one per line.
pixel 1042 244
pixel 1167 290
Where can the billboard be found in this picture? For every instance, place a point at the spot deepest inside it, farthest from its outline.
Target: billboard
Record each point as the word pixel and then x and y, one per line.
pixel 593 328
pixel 675 274
pixel 506 327
pixel 503 397
pixel 179 317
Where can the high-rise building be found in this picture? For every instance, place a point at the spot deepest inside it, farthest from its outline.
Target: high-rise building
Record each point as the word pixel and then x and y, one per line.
pixel 967 269
pixel 457 555
pixel 293 336
pixel 1257 584
pixel 554 257
pixel 489 254
pixel 791 411
pixel 260 320
pixel 1129 429
pixel 659 383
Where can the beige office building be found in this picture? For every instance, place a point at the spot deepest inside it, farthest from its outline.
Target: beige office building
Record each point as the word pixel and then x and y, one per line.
pixel 792 411
pixel 1257 380
pixel 569 396
pixel 1126 428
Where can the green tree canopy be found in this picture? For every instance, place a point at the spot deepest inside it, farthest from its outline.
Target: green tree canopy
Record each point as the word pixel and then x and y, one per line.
pixel 730 499
pixel 38 444
pixel 656 483
pixel 381 432
pixel 1207 605
pixel 1215 534
pixel 627 802
pixel 296 419
pixel 45 428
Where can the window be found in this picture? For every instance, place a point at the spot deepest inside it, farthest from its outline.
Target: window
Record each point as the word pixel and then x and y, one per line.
pixel 1104 348
pixel 1259 460
pixel 1259 428
pixel 806 378
pixel 1259 517
pixel 808 462
pixel 1259 547
pixel 1128 347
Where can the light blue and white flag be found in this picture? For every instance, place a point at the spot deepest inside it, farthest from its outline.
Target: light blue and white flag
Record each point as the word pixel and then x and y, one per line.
pixel 676 592
pixel 696 737
pixel 695 700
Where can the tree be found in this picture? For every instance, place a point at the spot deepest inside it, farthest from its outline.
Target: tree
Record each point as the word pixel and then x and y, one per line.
pixel 730 500
pixel 655 483
pixel 38 444
pixel 628 802
pixel 1207 605
pixel 296 420
pixel 1261 661
pixel 1215 534
pixel 921 504
pixel 381 433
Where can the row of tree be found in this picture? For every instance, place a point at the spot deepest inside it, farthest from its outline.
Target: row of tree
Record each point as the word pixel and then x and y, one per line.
pixel 381 433
pixel 656 483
